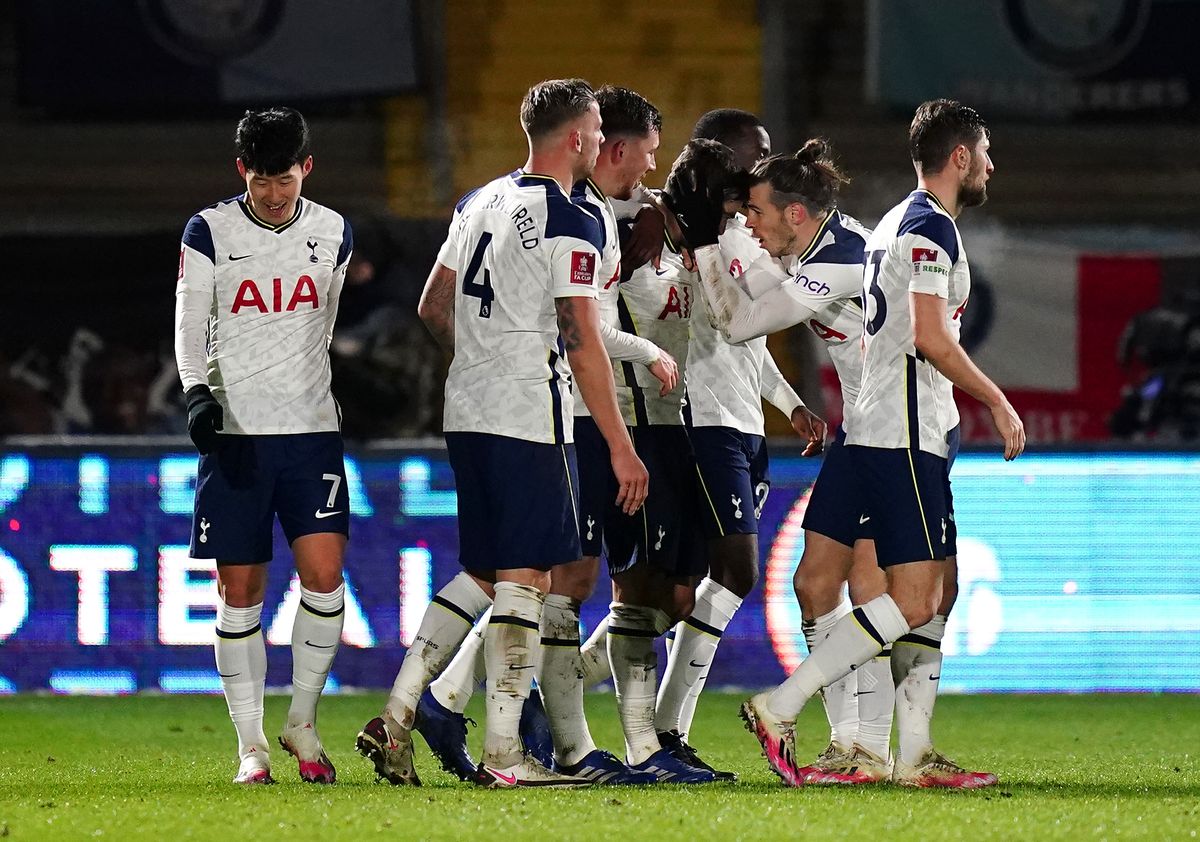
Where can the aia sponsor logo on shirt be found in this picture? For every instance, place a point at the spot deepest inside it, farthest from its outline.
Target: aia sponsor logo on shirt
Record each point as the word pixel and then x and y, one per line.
pixel 583 267
pixel 735 268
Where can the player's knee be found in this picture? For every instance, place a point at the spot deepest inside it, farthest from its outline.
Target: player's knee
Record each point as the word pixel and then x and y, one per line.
pixel 865 585
pixel 917 609
pixel 321 581
pixel 815 590
pixel 577 585
pixel 740 579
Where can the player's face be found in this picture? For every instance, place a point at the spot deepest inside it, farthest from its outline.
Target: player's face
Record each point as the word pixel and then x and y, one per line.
pixel 590 138
pixel 273 197
pixel 751 147
pixel 637 159
pixel 768 223
pixel 973 190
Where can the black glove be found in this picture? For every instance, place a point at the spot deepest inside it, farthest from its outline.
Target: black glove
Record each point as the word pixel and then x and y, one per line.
pixel 205 418
pixel 702 179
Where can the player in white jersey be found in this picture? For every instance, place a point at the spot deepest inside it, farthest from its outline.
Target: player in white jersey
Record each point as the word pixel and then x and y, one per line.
pixel 259 279
pixel 631 130
pixel 900 436
pixel 792 211
pixel 513 297
pixel 725 387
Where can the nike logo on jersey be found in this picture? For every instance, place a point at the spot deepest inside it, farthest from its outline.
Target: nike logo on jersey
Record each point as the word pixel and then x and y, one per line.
pixel 240 257
pixel 320 514
pixel 318 646
pixel 863 518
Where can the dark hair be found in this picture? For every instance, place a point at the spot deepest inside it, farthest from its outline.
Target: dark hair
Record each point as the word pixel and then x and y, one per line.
pixel 625 112
pixel 938 127
pixel 725 125
pixel 273 141
pixel 809 177
pixel 550 104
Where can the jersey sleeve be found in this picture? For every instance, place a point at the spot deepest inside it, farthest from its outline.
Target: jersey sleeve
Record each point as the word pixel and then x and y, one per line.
pixel 931 246
pixel 194 290
pixel 575 243
pixel 625 347
pixel 775 388
pixel 447 254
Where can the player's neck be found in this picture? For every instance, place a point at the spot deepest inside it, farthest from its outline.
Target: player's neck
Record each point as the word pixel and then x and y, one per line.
pixel 561 171
pixel 946 193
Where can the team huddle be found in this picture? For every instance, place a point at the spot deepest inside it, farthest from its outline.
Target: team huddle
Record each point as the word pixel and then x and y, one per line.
pixel 604 402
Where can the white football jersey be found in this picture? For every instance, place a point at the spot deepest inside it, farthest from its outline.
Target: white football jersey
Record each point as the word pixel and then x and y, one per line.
pixel 827 278
pixel 254 314
pixel 655 304
pixel 588 196
pixel 904 401
pixel 516 244
pixel 724 382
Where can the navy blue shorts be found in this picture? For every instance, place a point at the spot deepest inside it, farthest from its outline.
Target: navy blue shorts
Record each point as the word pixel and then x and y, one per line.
pixel 835 505
pixel 517 502
pixel 907 495
pixel 663 532
pixel 248 481
pixel 734 483
pixel 597 485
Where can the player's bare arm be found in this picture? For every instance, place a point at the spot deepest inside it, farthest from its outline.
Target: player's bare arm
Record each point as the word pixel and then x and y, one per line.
pixel 941 349
pixel 579 327
pixel 436 307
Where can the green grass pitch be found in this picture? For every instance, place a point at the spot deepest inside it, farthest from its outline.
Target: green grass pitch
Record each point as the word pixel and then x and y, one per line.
pixel 1071 767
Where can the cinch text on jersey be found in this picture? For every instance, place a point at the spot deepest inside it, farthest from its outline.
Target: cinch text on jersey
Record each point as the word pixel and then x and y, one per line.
pixel 519 214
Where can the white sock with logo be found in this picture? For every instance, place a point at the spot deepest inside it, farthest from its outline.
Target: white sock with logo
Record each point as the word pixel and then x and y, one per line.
pixel 689 659
pixel 631 637
pixel 841 704
pixel 316 633
pixel 449 617
pixel 512 647
pixel 876 701
pixel 854 639
pixel 456 685
pixel 916 668
pixel 560 680
pixel 242 664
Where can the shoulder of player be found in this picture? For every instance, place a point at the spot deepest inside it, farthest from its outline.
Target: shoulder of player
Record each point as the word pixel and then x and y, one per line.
pixel 840 243
pixel 572 220
pixel 924 218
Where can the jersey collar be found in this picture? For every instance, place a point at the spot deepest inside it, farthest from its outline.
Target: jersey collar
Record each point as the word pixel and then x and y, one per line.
pixel 934 199
pixel 816 240
pixel 278 229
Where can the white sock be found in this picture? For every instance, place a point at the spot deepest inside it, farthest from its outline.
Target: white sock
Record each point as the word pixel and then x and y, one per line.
pixel 916 668
pixel 841 704
pixel 560 679
pixel 511 646
pixel 242 665
pixel 449 617
pixel 631 637
pixel 696 641
pixel 594 655
pixel 316 633
pixel 467 669
pixel 854 639
pixel 876 701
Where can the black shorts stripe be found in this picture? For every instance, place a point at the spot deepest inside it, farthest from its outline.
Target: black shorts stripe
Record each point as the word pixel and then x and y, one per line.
pixel 632 632
pixel 560 641
pixel 910 389
pixel 239 635
pixel 319 613
pixel 556 396
pixel 921 641
pixel 510 620
pixel 704 627
pixel 861 616
pixel 450 606
pixel 628 369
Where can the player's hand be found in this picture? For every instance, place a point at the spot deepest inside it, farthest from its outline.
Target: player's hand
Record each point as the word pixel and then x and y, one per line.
pixel 205 418
pixel 666 370
pixel 646 238
pixel 702 179
pixel 809 426
pixel 632 478
pixel 1011 429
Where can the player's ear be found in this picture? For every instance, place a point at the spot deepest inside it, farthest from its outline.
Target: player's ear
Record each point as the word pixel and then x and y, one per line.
pixel 617 150
pixel 962 157
pixel 576 140
pixel 241 168
pixel 306 167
